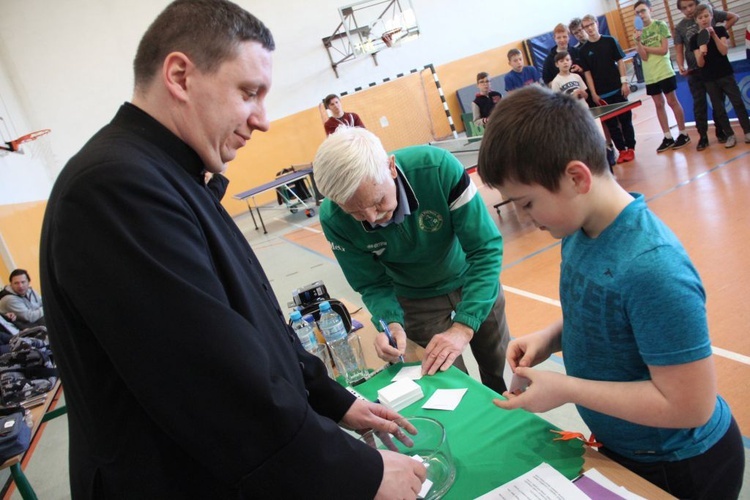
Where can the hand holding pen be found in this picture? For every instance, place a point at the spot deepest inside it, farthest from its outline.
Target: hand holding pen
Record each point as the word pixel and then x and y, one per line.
pixel 387 345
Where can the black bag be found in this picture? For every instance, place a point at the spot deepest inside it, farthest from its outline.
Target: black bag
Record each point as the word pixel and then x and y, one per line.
pixel 25 373
pixel 15 435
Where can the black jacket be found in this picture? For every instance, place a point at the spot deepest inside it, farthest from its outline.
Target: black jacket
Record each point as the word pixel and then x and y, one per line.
pixel 181 376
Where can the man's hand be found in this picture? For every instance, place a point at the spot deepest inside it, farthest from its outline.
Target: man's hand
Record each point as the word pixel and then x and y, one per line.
pixel 10 316
pixel 402 476
pixel 387 352
pixel 625 89
pixel 364 415
pixel 444 348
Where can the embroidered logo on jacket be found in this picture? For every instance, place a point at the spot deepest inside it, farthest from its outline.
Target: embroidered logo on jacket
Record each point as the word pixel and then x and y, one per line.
pixel 430 221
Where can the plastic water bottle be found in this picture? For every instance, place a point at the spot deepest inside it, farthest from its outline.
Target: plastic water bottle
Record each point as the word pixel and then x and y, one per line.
pixel 346 347
pixel 306 333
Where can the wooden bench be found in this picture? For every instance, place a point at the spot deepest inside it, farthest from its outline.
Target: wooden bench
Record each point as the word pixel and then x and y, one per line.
pixel 39 414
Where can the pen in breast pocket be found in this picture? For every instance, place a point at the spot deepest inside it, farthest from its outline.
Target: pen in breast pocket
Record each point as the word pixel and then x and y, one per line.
pixel 391 340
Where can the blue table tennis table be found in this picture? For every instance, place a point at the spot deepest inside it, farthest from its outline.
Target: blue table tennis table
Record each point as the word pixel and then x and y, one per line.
pixel 281 181
pixel 466 149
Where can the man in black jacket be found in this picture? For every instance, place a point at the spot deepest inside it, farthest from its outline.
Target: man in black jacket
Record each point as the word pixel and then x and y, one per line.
pixel 181 376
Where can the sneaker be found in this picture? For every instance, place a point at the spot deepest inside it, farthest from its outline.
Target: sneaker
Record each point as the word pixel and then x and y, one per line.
pixel 626 155
pixel 665 145
pixel 731 142
pixel 623 156
pixel 702 143
pixel 682 140
pixel 747 138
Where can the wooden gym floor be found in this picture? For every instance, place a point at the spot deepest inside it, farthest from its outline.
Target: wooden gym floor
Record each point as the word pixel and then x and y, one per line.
pixel 703 196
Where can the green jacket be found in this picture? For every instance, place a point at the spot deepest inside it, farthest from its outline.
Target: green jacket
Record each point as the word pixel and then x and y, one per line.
pixel 447 242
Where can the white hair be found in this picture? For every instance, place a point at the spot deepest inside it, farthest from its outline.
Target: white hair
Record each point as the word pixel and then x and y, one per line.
pixel 346 158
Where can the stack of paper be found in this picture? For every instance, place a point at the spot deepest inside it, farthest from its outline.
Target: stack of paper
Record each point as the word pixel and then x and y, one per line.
pixel 400 394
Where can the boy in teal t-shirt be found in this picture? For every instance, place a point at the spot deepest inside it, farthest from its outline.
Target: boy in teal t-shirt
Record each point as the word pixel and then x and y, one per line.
pixel 652 45
pixel 633 332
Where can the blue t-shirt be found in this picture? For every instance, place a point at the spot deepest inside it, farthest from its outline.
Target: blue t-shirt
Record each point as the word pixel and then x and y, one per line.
pixel 632 298
pixel 515 80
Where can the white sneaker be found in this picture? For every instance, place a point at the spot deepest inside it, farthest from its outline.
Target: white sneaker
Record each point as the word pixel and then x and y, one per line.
pixel 731 141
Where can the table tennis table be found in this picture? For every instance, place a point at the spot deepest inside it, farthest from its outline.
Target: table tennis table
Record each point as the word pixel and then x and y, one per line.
pixel 284 180
pixel 466 149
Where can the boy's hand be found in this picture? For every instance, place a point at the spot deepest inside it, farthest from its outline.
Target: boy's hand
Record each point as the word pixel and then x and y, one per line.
pixel 546 390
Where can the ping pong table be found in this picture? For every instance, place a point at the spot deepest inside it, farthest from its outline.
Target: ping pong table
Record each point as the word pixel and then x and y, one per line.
pixel 284 180
pixel 466 149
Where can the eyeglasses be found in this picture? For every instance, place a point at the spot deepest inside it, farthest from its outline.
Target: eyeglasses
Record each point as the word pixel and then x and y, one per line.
pixel 587 26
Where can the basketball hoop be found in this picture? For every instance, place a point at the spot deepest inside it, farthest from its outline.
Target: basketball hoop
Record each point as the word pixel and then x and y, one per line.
pixel 388 37
pixel 13 145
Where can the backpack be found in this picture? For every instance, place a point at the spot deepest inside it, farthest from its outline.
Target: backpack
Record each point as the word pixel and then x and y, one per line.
pixel 15 433
pixel 28 369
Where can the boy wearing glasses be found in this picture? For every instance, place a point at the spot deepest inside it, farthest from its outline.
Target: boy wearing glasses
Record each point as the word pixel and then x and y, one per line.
pixel 652 44
pixel 484 101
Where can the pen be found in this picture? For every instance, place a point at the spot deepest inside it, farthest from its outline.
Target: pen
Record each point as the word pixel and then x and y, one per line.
pixel 391 340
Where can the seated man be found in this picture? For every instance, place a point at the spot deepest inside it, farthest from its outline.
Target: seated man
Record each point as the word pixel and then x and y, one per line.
pixel 20 299
pixel 414 237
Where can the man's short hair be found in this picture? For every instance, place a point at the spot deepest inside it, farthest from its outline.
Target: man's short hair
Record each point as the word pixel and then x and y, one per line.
pixel 647 3
pixel 19 272
pixel 328 99
pixel 559 56
pixel 701 7
pixel 512 53
pixel 560 28
pixel 482 75
pixel 533 134
pixel 679 3
pixel 574 24
pixel 207 31
pixel 346 158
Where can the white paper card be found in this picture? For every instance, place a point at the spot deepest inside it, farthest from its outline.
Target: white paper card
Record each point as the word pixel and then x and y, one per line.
pixel 445 399
pixel 542 482
pixel 410 372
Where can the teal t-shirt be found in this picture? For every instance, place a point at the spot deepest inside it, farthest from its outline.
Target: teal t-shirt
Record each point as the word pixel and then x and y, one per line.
pixel 632 298
pixel 656 68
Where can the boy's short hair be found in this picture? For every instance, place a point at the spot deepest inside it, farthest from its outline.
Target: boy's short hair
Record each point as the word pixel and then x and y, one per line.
pixel 513 53
pixel 533 134
pixel 561 55
pixel 328 99
pixel 482 75
pixel 574 24
pixel 560 28
pixel 701 7
pixel 590 17
pixel 647 3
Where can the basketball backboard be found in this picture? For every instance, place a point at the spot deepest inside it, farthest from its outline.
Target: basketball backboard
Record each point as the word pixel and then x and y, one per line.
pixel 370 26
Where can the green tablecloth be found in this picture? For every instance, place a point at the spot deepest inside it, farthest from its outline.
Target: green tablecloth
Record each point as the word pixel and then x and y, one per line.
pixel 490 446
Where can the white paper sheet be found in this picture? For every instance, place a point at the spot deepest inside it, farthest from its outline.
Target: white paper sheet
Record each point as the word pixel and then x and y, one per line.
pixel 445 399
pixel 410 372
pixel 543 482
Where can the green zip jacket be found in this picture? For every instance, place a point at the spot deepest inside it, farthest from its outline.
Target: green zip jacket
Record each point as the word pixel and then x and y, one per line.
pixel 447 242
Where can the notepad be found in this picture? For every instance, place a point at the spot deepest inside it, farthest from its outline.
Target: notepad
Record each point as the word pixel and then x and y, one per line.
pixel 401 394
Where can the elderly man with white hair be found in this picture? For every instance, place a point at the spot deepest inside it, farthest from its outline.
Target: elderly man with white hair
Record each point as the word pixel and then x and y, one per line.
pixel 414 237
